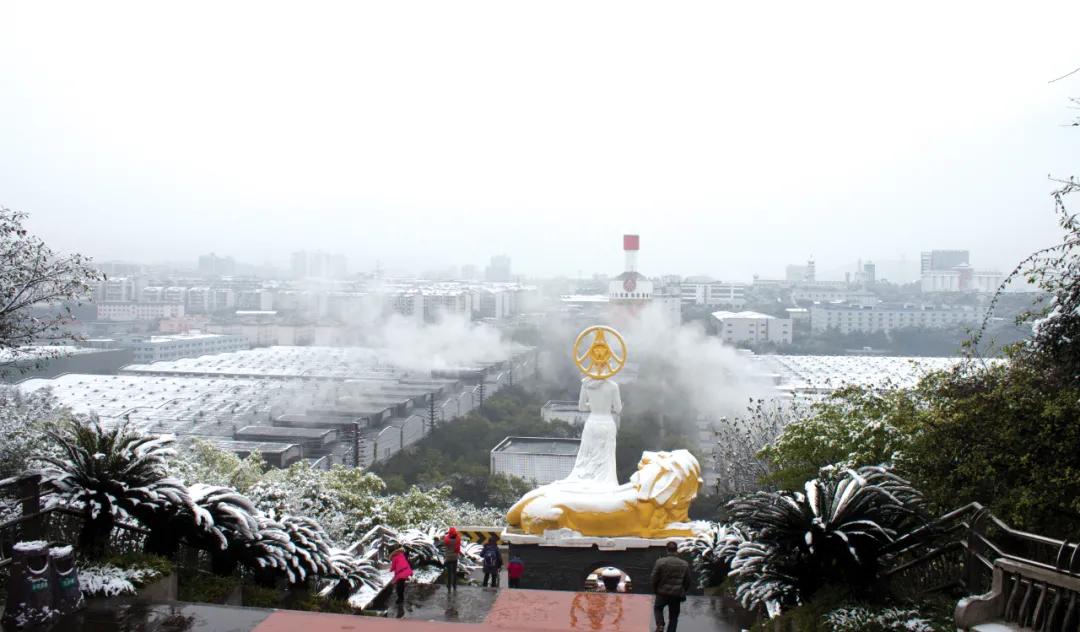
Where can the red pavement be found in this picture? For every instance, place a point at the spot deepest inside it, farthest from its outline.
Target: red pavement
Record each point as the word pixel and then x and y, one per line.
pixel 530 610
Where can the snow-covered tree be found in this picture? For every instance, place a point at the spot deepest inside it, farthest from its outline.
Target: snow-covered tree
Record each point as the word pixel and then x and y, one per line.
pixel 23 418
pixel 712 549
pixel 739 465
pixel 31 273
pixel 111 474
pixel 203 462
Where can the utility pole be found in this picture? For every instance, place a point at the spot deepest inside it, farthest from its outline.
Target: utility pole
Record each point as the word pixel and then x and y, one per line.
pixel 481 406
pixel 356 444
pixel 431 413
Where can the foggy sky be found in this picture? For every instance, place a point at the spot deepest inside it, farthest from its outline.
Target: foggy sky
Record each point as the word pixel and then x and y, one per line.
pixel 735 139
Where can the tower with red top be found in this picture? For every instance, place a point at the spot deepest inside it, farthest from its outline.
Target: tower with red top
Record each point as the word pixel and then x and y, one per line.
pixel 631 291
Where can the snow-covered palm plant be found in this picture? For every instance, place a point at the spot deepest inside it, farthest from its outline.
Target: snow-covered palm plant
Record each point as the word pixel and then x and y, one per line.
pixel 311 549
pixel 420 545
pixel 470 558
pixel 833 532
pixel 110 475
pixel 712 549
pixel 350 573
pixel 764 574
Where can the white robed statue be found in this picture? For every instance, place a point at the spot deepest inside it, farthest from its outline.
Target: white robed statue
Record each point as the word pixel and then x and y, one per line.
pixel 590 501
pixel 596 456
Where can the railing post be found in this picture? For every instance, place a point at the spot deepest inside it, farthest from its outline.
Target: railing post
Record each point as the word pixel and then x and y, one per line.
pixel 30 493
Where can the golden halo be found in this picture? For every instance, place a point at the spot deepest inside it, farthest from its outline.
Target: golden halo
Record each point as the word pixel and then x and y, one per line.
pixel 599 361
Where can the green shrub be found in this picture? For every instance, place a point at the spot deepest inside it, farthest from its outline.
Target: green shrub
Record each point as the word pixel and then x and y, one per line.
pixel 202 587
pixel 261 597
pixel 159 565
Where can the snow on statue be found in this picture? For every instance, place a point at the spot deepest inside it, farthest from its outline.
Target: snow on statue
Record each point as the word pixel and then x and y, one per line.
pixel 590 501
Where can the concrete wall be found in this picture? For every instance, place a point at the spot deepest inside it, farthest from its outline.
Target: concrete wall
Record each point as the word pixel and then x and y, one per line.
pixel 565 568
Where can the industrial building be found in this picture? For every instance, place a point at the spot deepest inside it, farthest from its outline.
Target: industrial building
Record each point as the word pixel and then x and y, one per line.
pixel 323 405
pixel 49 361
pixel 537 459
pixel 736 327
pixel 704 291
pixel 868 319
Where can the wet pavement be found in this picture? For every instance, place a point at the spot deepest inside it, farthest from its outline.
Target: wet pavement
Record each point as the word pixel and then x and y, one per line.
pixel 426 609
pixel 119 615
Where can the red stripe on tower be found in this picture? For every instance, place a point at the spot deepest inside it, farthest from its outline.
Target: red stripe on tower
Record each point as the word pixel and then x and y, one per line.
pixel 631 242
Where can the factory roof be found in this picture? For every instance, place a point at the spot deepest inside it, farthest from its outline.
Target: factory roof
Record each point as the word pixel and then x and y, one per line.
pixel 538 445
pixel 827 373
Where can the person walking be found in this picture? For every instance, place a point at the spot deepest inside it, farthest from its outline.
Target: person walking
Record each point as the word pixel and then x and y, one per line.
pixel 399 566
pixel 514 571
pixel 670 580
pixel 451 551
pixel 493 561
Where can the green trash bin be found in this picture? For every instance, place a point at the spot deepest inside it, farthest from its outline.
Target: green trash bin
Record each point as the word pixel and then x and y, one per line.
pixel 67 595
pixel 29 594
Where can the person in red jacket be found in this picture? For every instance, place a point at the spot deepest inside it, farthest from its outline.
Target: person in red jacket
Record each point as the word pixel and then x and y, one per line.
pixel 399 566
pixel 451 552
pixel 514 571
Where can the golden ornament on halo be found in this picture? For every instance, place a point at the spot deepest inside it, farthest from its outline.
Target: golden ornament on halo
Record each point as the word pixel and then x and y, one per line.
pixel 599 361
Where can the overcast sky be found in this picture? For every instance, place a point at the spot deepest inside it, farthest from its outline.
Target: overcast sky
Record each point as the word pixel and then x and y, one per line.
pixel 735 137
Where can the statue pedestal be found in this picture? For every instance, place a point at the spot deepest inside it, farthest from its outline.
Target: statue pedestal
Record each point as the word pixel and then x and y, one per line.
pixel 564 563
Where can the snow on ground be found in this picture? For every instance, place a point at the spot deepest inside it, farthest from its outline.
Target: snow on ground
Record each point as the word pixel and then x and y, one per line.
pixel 105 580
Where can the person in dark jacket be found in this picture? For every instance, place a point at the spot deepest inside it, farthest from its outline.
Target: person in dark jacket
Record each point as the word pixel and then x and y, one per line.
pixel 451 543
pixel 670 580
pixel 493 562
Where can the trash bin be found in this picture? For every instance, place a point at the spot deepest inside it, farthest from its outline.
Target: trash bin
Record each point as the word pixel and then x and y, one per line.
pixel 67 595
pixel 30 595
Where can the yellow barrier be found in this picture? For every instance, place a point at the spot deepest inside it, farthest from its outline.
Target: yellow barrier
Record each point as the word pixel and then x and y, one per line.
pixel 480 535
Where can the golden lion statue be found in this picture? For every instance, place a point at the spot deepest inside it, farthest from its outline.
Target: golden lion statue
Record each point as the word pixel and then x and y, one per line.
pixel 653 504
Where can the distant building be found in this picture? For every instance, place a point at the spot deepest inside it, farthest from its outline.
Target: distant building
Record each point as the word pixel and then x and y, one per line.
pixel 189 345
pixel 153 348
pixel 821 292
pixel 714 293
pixel 567 411
pixel 943 260
pixel 207 300
pixel 537 459
pixel 118 289
pixel 869 273
pixel 869 319
pixel 498 269
pixel 255 300
pixel 795 273
pixel 736 327
pixel 139 311
pixel 318 264
pixel 212 265
pixel 962 278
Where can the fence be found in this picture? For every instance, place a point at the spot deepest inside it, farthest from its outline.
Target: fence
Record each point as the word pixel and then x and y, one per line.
pixel 956 553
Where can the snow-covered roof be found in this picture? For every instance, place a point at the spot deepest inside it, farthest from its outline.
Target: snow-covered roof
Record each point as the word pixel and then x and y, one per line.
pixel 538 445
pixel 722 315
pixel 40 352
pixel 823 374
